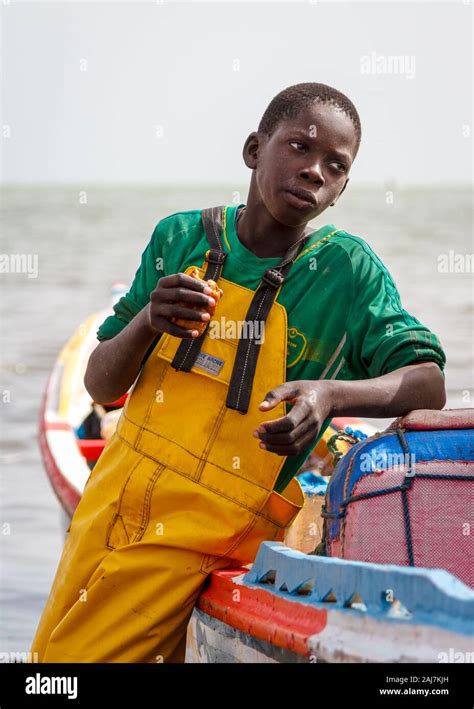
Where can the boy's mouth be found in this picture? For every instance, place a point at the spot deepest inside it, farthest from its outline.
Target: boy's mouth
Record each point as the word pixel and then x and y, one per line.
pixel 301 199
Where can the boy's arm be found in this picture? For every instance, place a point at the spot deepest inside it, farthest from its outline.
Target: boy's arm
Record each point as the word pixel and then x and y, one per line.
pixel 416 386
pixel 140 317
pixel 114 364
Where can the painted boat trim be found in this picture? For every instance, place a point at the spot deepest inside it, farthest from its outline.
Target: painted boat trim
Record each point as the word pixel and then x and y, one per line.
pixel 386 590
pixel 244 613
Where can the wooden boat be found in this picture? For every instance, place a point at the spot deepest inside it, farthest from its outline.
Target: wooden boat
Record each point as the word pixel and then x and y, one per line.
pixel 290 605
pixel 294 607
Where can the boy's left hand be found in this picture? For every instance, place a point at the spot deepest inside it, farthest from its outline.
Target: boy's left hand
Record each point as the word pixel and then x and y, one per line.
pixel 291 434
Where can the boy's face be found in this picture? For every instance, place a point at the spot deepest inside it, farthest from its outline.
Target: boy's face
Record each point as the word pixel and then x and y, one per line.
pixel 310 154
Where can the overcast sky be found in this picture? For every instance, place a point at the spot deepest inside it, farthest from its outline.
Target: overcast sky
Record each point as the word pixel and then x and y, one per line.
pixel 167 92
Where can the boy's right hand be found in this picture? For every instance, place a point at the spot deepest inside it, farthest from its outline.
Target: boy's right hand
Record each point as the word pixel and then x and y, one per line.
pixel 166 302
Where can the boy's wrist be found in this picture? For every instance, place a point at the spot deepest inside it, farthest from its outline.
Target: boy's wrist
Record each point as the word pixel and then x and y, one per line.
pixel 337 398
pixel 348 398
pixel 146 322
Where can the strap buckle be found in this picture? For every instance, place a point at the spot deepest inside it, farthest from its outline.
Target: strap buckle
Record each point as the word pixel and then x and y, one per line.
pixel 273 278
pixel 215 256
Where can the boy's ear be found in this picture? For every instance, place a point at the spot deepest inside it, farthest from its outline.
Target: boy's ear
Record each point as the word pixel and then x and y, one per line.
pixel 249 152
pixel 345 185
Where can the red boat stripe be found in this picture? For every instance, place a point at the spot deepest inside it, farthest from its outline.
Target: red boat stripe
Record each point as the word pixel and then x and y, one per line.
pixel 261 613
pixel 57 426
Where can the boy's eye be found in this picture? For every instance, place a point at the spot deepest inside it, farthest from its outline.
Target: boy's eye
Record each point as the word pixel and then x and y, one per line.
pixel 339 165
pixel 296 142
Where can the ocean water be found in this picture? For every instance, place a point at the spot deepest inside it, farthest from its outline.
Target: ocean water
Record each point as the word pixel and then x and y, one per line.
pixel 82 248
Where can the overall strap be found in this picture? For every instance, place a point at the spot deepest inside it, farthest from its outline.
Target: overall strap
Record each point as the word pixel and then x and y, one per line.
pixel 188 350
pixel 243 373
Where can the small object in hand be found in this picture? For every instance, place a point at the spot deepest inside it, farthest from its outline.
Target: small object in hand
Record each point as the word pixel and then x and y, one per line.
pixel 200 325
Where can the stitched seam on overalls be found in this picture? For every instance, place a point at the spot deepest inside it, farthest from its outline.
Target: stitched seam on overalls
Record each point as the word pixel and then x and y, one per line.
pixel 154 433
pixel 272 521
pixel 160 435
pixel 248 351
pixel 111 527
pixel 147 502
pixel 117 514
pixel 158 383
pixel 190 477
pixel 210 441
pixel 170 440
pixel 239 540
pixel 214 431
pixel 239 477
pixel 119 501
pixel 216 465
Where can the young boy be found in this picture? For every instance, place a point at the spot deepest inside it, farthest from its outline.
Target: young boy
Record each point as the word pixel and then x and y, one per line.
pixel 201 468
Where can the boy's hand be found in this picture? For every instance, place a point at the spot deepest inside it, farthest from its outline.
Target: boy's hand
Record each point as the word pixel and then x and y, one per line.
pixel 290 435
pixel 165 299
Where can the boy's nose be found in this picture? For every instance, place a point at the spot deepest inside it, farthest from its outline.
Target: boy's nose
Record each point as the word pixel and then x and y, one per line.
pixel 313 172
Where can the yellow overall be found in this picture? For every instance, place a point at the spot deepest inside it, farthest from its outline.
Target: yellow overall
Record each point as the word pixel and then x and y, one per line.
pixel 181 489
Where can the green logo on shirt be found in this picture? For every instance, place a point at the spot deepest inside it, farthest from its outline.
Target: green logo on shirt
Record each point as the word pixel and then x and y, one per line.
pixel 297 344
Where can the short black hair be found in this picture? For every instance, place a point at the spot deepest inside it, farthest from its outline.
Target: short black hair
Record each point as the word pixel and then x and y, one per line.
pixel 289 102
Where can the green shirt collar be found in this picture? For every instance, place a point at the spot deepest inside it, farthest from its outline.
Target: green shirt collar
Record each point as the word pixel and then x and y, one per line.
pixel 233 244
